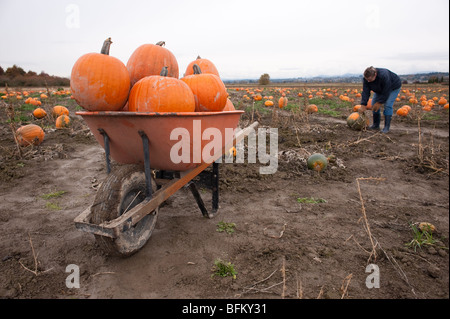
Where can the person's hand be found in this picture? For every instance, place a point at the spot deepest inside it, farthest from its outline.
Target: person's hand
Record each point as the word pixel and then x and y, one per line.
pixel 376 106
pixel 362 109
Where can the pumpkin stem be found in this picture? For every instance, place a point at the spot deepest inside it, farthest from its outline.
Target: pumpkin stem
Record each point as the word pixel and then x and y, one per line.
pixel 164 71
pixel 161 43
pixel 198 57
pixel 106 45
pixel 197 69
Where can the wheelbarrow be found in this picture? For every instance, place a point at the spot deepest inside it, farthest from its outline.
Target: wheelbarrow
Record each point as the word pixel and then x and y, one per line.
pixel 149 169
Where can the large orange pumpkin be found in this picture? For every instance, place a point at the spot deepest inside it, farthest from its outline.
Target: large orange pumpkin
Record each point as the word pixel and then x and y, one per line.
pixel 282 102
pixel 442 101
pixel 209 91
pixel 205 65
pixel 39 113
pixel 369 105
pixel 60 110
pixel 161 93
pixel 62 121
pixel 229 106
pixel 312 108
pixel 149 59
pixel 30 134
pixel 403 111
pixel 100 82
pixel 357 121
pixel 268 103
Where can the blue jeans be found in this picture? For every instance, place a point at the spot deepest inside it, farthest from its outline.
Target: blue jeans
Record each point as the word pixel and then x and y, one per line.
pixel 388 105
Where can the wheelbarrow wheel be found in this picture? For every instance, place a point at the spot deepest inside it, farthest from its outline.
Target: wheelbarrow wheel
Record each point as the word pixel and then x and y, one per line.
pixel 123 189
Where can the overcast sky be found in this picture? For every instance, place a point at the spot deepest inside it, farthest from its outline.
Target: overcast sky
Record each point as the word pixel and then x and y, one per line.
pixel 244 39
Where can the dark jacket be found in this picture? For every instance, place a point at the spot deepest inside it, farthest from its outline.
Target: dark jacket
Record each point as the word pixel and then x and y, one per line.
pixel 385 82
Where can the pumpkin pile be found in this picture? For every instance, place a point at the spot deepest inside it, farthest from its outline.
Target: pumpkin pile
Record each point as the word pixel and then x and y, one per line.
pixel 403 111
pixel 61 113
pixel 149 82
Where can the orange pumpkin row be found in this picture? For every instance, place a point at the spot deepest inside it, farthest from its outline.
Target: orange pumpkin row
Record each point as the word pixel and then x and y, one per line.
pixel 149 82
pixel 57 110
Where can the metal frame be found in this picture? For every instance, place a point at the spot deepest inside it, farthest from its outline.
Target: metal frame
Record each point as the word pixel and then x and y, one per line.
pixel 166 188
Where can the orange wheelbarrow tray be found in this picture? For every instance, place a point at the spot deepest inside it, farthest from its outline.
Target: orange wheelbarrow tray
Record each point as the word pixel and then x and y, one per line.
pixel 167 151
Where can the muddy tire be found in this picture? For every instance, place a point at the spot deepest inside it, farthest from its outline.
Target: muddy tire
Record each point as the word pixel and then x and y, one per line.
pixel 123 189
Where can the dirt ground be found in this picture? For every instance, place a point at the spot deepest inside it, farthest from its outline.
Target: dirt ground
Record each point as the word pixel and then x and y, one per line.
pixel 281 247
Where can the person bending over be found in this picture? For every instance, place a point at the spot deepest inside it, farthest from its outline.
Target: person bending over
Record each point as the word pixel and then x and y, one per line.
pixel 386 86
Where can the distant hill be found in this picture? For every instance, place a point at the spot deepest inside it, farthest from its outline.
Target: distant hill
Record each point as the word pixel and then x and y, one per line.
pixel 442 77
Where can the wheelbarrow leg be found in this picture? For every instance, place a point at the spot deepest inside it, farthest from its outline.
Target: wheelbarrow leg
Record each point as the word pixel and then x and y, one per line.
pixel 106 142
pixel 148 173
pixel 215 187
pixel 215 194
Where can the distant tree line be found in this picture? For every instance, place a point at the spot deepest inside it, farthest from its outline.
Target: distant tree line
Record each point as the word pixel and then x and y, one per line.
pixel 436 79
pixel 15 76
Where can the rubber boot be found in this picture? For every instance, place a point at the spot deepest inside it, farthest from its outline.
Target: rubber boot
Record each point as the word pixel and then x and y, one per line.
pixel 376 121
pixel 387 123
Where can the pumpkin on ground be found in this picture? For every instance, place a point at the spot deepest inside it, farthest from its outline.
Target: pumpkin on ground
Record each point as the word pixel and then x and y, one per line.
pixel 257 97
pixel 406 106
pixel 317 162
pixel 442 101
pixel 39 113
pixel 161 93
pixel 149 59
pixel 30 134
pixel 427 227
pixel 357 121
pixel 60 110
pixel 312 108
pixel 282 102
pixel 209 91
pixel 427 108
pixel 268 103
pixel 356 107
pixel 62 121
pixel 205 65
pixel 403 111
pixel 100 82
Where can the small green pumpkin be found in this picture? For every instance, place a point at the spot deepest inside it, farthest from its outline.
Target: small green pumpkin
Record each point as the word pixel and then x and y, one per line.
pixel 317 162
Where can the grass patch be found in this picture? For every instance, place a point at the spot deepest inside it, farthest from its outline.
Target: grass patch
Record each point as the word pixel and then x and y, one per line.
pixel 431 117
pixel 331 113
pixel 55 194
pixel 310 200
pixel 52 206
pixel 223 269
pixel 330 103
pixel 420 238
pixel 27 107
pixel 259 107
pixel 291 107
pixel 225 227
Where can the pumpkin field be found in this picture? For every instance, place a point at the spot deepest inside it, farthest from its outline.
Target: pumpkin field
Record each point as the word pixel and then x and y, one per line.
pixel 372 223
